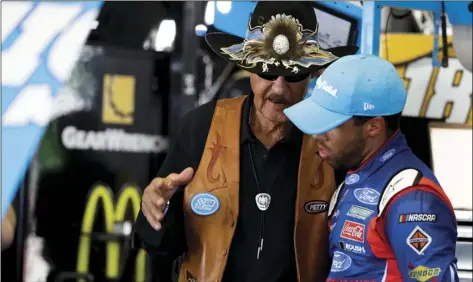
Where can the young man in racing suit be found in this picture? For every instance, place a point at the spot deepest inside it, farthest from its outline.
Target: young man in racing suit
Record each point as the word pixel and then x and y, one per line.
pixel 390 220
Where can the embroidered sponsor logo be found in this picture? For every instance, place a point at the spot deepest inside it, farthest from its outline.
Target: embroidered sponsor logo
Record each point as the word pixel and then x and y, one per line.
pixel 352 178
pixel 387 155
pixel 325 86
pixel 367 196
pixel 368 106
pixel 352 248
pixel 418 240
pixel 353 231
pixel 340 262
pixel 417 217
pixel 314 207
pixel 423 273
pixel 359 212
pixel 205 204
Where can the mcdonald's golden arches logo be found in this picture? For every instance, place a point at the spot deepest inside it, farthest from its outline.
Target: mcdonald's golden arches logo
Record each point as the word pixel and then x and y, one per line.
pixel 114 212
pixel 118 99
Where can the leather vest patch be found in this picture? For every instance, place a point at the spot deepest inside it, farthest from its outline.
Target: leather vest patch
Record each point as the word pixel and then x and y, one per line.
pixel 216 150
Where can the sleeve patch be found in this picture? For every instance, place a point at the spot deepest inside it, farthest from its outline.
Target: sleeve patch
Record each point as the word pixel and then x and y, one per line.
pixel 419 240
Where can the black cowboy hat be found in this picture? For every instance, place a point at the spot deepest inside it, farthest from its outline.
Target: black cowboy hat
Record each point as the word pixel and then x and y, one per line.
pixel 280 40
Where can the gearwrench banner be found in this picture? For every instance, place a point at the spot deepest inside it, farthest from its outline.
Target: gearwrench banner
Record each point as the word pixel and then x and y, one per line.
pixel 41 42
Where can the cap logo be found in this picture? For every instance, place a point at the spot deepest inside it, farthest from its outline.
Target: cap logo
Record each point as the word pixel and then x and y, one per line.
pixel 325 86
pixel 368 106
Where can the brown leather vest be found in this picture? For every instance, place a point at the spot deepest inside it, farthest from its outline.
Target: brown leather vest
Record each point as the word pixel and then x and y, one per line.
pixel 209 237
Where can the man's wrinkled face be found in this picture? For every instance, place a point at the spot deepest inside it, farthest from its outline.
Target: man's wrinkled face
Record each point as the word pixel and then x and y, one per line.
pixel 271 97
pixel 344 146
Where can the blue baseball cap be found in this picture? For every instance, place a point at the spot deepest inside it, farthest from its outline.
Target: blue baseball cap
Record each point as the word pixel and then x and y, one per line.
pixel 355 85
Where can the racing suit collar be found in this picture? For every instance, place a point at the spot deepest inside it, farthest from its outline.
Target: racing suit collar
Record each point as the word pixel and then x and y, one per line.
pixel 394 145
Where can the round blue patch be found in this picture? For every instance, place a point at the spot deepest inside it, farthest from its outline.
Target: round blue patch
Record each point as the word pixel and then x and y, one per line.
pixel 205 204
pixel 352 179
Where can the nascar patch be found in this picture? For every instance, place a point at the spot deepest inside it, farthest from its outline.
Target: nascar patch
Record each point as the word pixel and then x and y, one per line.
pixel 417 217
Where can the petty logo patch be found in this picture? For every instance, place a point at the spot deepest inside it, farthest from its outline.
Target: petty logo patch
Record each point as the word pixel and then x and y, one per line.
pixel 317 206
pixel 418 240
pixel 205 204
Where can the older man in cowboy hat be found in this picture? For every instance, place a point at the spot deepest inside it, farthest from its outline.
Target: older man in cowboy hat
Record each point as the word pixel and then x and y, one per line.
pixel 242 194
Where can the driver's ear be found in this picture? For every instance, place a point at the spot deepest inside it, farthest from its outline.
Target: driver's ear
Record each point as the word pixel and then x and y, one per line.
pixel 375 126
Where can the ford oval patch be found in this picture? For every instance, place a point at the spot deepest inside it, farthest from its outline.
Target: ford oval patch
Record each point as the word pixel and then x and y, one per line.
pixel 340 262
pixel 387 155
pixel 367 196
pixel 352 179
pixel 317 206
pixel 205 204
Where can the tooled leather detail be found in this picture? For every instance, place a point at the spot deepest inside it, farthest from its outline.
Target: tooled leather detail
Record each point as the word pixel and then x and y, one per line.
pixel 216 150
pixel 319 177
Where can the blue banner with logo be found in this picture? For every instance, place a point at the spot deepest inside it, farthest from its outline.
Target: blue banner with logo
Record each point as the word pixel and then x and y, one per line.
pixel 41 42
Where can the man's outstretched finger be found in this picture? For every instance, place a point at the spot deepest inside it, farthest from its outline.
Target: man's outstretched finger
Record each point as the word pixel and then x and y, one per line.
pixel 173 180
pixel 157 183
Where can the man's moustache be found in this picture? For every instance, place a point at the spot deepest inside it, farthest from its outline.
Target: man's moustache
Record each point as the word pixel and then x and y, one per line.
pixel 280 99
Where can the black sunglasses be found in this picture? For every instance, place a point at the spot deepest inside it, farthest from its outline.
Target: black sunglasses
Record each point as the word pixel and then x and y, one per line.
pixel 290 79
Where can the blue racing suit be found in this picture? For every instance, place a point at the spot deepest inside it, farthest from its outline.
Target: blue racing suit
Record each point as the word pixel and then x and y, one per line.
pixel 391 221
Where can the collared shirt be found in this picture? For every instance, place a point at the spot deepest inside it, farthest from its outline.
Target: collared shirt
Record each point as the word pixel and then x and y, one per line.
pixel 276 171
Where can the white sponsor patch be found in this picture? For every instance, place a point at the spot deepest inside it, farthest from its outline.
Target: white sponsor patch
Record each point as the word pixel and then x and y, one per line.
pixel 359 212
